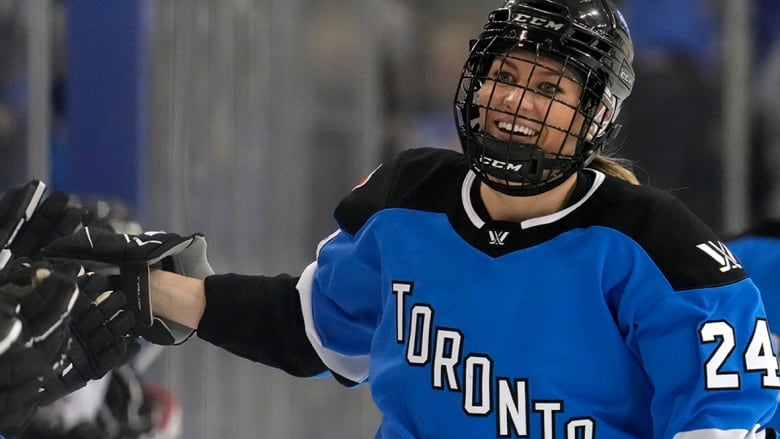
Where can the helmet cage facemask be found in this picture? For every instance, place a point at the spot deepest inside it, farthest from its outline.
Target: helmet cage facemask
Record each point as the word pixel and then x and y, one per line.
pixel 514 166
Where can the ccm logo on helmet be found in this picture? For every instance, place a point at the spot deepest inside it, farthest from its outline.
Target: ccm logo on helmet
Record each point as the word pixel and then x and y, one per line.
pixel 626 75
pixel 498 164
pixel 538 21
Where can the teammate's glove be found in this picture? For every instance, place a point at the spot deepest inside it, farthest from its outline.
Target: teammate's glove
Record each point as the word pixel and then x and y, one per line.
pixel 27 224
pixel 17 205
pixel 99 326
pixel 53 219
pixel 38 303
pixel 127 260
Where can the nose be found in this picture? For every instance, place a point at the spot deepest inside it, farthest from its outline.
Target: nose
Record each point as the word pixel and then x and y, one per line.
pixel 518 98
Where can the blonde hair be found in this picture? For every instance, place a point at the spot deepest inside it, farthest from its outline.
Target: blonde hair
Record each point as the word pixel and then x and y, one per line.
pixel 614 166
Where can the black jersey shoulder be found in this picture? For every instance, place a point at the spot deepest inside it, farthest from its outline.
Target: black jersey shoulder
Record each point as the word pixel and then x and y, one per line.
pixel 421 179
pixel 684 248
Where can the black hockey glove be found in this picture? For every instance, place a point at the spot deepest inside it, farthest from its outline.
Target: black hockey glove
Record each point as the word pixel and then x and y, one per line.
pixel 27 224
pixel 17 206
pixel 126 259
pixel 38 302
pixel 53 219
pixel 99 326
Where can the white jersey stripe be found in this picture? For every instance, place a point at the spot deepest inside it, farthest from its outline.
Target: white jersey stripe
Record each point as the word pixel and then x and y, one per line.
pixel 712 433
pixel 354 368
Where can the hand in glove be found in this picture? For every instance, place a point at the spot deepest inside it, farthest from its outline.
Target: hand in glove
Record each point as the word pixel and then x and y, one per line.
pixel 100 328
pixel 17 206
pixel 53 219
pixel 127 260
pixel 27 224
pixel 37 302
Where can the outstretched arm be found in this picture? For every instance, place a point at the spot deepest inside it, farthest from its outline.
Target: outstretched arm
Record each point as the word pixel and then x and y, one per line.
pixel 255 317
pixel 173 292
pixel 178 298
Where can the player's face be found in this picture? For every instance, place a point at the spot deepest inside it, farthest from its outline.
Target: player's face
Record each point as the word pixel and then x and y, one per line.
pixel 533 101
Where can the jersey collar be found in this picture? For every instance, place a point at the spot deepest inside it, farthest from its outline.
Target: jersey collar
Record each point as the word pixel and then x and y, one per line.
pixel 476 211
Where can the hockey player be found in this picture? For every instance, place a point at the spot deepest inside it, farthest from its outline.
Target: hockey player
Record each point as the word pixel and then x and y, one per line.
pixel 758 249
pixel 525 288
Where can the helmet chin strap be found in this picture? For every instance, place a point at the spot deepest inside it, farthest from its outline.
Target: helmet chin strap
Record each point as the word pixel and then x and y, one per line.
pixel 521 164
pixel 518 163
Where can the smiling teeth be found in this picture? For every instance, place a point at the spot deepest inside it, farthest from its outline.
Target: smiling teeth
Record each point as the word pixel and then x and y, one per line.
pixel 517 129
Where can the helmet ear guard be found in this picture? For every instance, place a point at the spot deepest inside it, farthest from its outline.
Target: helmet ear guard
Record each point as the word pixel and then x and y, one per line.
pixel 604 117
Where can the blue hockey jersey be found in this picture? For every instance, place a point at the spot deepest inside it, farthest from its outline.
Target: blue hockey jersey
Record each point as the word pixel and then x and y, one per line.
pixel 758 249
pixel 621 316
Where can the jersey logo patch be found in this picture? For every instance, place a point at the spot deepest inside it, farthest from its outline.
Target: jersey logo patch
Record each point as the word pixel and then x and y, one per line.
pixel 496 237
pixel 721 254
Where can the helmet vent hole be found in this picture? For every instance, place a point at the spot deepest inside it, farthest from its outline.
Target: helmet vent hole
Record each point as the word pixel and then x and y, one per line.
pixel 603 46
pixel 582 37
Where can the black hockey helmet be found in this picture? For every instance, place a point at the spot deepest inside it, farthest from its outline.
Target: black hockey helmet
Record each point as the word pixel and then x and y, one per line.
pixel 591 40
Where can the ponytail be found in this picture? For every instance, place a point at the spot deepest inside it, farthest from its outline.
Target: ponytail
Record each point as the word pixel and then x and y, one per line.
pixel 614 166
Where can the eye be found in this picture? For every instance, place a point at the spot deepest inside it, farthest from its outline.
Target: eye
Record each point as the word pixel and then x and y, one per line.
pixel 505 77
pixel 549 89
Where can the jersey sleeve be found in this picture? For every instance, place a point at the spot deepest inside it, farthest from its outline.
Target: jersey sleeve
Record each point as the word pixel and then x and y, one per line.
pixel 259 318
pixel 708 354
pixel 697 324
pixel 340 296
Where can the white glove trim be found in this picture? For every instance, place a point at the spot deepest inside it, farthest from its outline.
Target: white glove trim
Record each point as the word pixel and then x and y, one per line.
pixel 13 335
pixel 5 256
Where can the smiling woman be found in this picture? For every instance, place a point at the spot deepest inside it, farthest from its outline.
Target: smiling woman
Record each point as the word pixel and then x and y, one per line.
pixel 555 90
pixel 531 100
pixel 610 311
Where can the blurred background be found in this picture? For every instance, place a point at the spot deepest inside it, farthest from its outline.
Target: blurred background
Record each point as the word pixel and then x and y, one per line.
pixel 248 120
